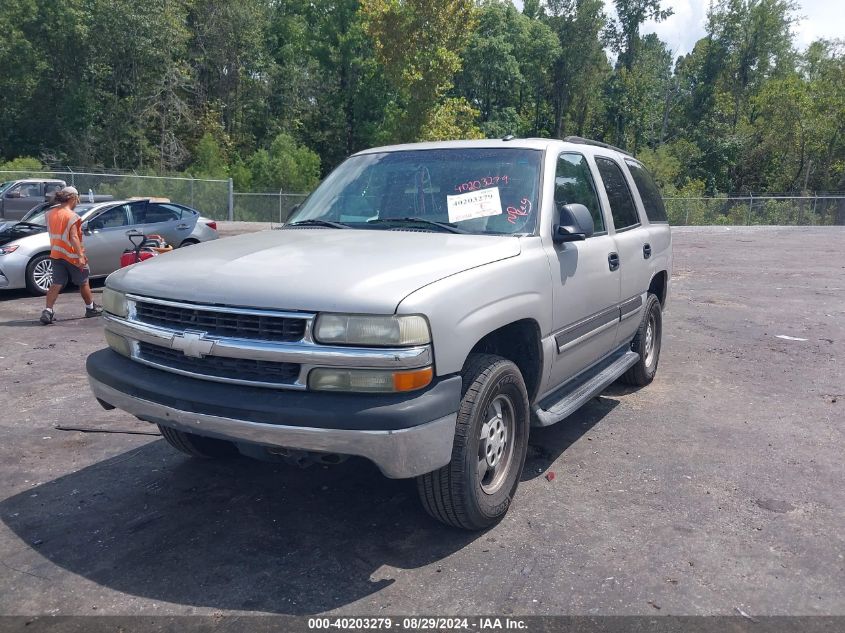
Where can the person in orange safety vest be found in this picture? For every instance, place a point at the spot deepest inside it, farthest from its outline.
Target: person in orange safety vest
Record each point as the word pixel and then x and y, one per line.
pixel 67 255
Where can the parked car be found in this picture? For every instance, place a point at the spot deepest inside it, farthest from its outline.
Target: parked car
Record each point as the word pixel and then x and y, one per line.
pixel 422 308
pixel 25 246
pixel 17 197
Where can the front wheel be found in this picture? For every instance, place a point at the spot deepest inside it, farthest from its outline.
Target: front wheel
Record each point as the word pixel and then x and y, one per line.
pixel 39 274
pixel 647 344
pixel 474 491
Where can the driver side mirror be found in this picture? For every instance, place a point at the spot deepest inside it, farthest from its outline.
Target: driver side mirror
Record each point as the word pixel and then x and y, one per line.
pixel 575 224
pixel 14 194
pixel 86 228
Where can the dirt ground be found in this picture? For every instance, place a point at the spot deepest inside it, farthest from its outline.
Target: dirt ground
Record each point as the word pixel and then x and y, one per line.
pixel 717 488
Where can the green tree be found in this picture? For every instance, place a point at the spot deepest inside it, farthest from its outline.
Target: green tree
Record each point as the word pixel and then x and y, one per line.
pixel 209 159
pixel 581 65
pixel 623 35
pixel 285 166
pixel 419 43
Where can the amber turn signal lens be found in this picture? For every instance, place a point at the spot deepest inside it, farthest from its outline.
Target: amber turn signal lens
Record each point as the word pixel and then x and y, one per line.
pixel 410 380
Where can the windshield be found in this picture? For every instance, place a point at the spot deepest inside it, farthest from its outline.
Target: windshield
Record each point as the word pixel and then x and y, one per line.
pixel 37 215
pixel 477 190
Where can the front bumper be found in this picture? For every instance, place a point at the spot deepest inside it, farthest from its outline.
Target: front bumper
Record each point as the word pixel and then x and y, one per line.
pixel 405 435
pixel 13 270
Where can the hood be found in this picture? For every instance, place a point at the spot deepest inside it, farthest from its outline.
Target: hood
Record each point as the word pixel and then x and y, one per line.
pixel 11 231
pixel 345 270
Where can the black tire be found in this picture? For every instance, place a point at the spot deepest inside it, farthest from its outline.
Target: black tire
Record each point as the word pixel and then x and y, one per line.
pixel 197 445
pixel 643 372
pixel 34 264
pixel 456 494
pixel 189 242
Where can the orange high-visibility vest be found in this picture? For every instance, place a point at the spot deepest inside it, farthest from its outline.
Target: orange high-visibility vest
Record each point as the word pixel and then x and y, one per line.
pixel 62 223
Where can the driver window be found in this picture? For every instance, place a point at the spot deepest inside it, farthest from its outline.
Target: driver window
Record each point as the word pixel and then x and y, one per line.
pixel 574 185
pixel 111 218
pixel 25 190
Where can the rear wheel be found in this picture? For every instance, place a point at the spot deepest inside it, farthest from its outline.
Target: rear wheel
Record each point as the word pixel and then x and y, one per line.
pixel 189 242
pixel 39 274
pixel 474 491
pixel 197 445
pixel 647 344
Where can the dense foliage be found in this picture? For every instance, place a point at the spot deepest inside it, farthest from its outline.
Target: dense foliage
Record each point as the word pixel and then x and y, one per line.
pixel 274 93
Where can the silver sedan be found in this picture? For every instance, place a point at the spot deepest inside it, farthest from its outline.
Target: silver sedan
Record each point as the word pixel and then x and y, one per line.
pixel 25 245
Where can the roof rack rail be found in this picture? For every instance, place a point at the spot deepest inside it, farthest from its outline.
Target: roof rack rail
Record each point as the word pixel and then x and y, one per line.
pixel 587 141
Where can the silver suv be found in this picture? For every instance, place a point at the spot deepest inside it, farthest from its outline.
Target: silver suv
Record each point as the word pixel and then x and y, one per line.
pixel 425 306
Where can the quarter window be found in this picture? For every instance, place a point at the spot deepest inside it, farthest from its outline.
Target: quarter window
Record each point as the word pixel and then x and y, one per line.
pixel 621 203
pixel 574 185
pixel 652 200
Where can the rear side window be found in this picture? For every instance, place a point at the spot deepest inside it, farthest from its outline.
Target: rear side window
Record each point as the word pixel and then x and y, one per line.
pixel 652 200
pixel 621 203
pixel 574 185
pixel 156 212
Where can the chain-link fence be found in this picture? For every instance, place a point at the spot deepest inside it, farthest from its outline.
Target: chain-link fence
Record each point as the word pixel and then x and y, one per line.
pixel 209 197
pixel 265 207
pixel 217 200
pixel 828 209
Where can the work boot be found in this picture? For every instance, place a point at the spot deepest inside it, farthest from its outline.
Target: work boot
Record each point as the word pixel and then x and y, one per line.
pixel 47 316
pixel 97 310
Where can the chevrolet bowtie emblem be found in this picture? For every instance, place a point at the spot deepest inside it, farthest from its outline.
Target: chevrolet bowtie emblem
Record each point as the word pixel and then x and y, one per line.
pixel 193 344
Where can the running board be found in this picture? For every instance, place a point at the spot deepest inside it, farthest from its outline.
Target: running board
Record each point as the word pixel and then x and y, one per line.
pixel 581 391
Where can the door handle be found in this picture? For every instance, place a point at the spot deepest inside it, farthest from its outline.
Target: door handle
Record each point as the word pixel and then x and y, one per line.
pixel 613 261
pixel 183 227
pixel 646 251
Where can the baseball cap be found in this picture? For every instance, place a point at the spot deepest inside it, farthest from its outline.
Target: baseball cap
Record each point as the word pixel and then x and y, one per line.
pixel 71 190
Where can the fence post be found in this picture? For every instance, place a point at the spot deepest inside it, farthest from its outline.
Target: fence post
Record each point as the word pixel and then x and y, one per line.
pixel 192 193
pixel 686 221
pixel 72 177
pixel 815 201
pixel 750 207
pixel 231 200
pixel 280 205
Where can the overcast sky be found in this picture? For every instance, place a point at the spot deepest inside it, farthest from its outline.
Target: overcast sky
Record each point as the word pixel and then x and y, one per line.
pixel 821 19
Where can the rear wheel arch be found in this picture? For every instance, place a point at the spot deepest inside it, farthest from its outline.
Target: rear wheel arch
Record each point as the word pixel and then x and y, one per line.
pixel 659 286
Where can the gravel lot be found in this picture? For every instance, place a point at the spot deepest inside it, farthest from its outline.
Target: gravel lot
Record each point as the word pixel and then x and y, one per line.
pixel 719 487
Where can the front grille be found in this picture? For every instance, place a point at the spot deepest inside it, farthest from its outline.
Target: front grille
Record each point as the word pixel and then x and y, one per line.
pixel 219 367
pixel 218 323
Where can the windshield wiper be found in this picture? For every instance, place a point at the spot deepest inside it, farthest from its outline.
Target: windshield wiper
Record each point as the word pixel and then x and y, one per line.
pixel 446 226
pixel 329 223
pixel 40 226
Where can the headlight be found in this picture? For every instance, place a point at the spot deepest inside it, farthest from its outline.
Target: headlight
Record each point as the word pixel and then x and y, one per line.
pixel 368 380
pixel 11 248
pixel 119 344
pixel 114 302
pixel 387 331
